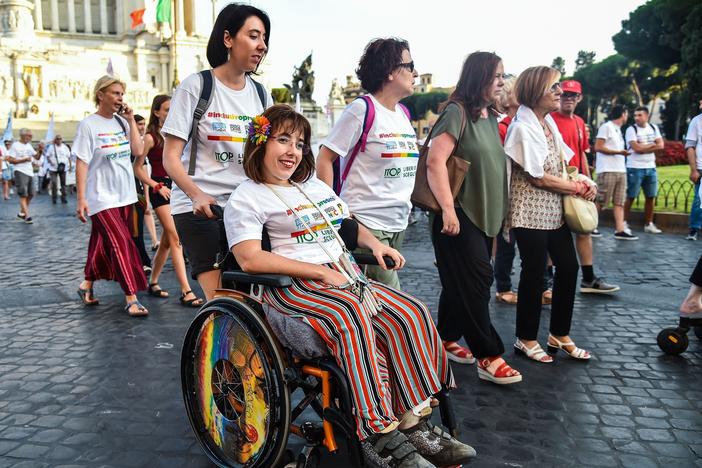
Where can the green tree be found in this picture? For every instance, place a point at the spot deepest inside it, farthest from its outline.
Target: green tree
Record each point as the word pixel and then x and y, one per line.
pixel 559 64
pixel 585 59
pixel 420 104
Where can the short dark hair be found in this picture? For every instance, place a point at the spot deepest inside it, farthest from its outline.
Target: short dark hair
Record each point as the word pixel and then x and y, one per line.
pixel 641 109
pixel 283 119
pixel 380 58
pixel 232 18
pixel 138 117
pixel 477 76
pixel 616 111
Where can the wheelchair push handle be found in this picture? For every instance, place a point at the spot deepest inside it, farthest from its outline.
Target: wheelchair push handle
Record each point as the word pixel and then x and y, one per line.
pixel 369 259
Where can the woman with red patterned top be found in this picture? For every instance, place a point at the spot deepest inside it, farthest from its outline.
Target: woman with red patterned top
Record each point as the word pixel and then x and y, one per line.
pixel 159 187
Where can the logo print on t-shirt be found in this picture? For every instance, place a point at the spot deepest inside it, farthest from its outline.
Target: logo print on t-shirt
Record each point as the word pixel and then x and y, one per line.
pixel 219 126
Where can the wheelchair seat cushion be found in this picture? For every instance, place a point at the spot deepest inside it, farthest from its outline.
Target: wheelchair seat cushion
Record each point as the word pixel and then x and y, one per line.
pixel 296 335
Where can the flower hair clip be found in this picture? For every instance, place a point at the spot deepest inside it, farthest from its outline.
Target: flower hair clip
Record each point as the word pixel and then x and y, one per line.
pixel 259 130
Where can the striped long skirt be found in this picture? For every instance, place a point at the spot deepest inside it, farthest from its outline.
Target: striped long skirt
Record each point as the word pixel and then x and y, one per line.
pixel 112 254
pixel 394 360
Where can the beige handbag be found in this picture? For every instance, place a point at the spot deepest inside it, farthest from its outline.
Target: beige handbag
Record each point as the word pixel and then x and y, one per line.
pixel 580 214
pixel 422 196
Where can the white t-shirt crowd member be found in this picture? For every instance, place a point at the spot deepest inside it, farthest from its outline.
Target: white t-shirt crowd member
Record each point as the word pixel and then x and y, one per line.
pixel 3 154
pixel 56 154
pixel 253 205
pixel 380 182
pixel 222 132
pixel 104 147
pixel 694 133
pixel 21 150
pixel 613 139
pixel 644 136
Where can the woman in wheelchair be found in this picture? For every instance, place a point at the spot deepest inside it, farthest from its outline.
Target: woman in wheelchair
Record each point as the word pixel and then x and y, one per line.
pixel 383 339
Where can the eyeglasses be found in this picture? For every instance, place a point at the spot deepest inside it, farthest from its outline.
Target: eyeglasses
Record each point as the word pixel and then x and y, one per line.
pixel 569 94
pixel 300 146
pixel 555 87
pixel 409 66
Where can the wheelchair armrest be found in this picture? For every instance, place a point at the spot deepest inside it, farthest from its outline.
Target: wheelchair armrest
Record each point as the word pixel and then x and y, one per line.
pixel 369 259
pixel 276 281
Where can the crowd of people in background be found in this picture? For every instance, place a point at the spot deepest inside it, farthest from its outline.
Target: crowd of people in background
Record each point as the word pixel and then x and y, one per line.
pixel 519 135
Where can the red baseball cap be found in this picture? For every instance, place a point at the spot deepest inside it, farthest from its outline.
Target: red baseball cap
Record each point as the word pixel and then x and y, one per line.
pixel 571 86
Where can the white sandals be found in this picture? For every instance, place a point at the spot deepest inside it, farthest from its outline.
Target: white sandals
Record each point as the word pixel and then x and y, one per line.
pixel 577 353
pixel 535 353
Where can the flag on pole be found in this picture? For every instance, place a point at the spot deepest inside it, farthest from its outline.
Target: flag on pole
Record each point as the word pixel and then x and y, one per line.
pixel 298 106
pixel 50 133
pixel 154 11
pixel 7 135
pixel 110 69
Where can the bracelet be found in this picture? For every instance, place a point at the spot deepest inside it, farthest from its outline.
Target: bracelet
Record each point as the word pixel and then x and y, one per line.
pixel 158 187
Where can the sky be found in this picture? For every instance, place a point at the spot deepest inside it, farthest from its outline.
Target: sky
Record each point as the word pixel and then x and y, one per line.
pixel 441 34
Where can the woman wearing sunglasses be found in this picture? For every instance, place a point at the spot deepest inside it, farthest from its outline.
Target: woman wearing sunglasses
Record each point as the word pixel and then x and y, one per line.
pixel 376 175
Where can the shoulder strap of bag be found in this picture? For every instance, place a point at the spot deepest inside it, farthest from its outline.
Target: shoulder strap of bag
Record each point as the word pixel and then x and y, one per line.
pixel 261 93
pixel 206 94
pixel 406 111
pixel 121 124
pixel 462 111
pixel 368 119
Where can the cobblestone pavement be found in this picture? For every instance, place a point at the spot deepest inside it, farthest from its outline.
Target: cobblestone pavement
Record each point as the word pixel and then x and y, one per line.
pixel 93 387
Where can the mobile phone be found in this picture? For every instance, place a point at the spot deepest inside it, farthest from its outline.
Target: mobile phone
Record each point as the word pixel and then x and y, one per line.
pixel 121 109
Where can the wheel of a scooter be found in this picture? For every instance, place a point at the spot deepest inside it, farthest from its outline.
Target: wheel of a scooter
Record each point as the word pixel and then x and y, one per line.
pixel 672 341
pixel 234 389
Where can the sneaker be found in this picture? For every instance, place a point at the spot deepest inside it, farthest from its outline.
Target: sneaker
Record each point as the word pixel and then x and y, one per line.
pixel 627 229
pixel 438 446
pixel 596 233
pixel 21 216
pixel 623 235
pixel 597 286
pixel 392 450
pixel 692 235
pixel 652 229
pixel 28 220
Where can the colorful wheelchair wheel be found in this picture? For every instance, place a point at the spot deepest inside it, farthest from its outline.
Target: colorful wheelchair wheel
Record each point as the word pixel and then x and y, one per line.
pixel 235 393
pixel 673 340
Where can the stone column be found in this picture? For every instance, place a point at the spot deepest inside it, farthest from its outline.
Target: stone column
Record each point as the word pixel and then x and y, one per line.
pixel 54 16
pixel 87 17
pixel 193 17
pixel 180 29
pixel 119 17
pixel 163 58
pixel 38 19
pixel 103 17
pixel 71 16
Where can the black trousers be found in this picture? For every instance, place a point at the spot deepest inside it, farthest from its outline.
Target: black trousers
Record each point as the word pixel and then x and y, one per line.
pixel 696 277
pixel 466 277
pixel 139 238
pixel 534 245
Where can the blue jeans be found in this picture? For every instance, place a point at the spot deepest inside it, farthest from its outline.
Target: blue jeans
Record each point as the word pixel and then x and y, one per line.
pixel 504 257
pixel 636 179
pixel 696 210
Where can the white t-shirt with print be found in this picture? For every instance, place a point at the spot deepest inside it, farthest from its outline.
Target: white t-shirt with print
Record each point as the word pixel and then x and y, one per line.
pixel 104 147
pixel 3 153
pixel 380 182
pixel 644 136
pixel 612 136
pixel 21 150
pixel 221 136
pixel 253 206
pixel 694 133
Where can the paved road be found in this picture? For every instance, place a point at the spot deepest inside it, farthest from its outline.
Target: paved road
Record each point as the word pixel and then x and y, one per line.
pixel 93 387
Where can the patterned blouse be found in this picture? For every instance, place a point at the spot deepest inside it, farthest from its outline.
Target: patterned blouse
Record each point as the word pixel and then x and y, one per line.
pixel 532 207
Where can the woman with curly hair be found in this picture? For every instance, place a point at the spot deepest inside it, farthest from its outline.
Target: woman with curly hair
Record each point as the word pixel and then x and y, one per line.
pixel 378 148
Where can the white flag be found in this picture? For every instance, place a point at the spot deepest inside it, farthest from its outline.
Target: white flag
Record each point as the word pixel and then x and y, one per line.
pixel 110 70
pixel 50 133
pixel 298 106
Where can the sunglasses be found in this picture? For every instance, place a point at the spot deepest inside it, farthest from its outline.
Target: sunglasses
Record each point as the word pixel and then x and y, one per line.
pixel 569 94
pixel 409 66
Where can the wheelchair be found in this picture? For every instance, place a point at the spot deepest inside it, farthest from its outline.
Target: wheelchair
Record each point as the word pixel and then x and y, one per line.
pixel 238 380
pixel 674 340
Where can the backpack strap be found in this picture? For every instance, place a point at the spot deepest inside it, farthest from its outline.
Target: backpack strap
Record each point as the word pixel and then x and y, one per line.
pixel 360 146
pixel 206 94
pixel 261 93
pixel 121 124
pixel 406 111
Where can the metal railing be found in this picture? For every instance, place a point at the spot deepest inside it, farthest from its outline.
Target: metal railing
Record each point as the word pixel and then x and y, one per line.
pixel 675 194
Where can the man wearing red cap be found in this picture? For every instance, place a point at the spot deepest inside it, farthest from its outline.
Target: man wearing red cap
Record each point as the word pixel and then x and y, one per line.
pixel 572 128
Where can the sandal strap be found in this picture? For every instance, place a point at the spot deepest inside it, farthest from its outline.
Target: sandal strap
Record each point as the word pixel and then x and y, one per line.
pixel 454 348
pixel 186 293
pixel 502 370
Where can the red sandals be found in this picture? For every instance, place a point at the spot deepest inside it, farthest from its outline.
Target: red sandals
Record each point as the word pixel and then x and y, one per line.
pixel 458 353
pixel 496 370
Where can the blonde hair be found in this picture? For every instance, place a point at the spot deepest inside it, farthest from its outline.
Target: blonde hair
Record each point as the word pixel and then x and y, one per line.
pixel 105 82
pixel 534 83
pixel 507 91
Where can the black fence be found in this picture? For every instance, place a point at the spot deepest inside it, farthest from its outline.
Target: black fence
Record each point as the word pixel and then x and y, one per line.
pixel 672 194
